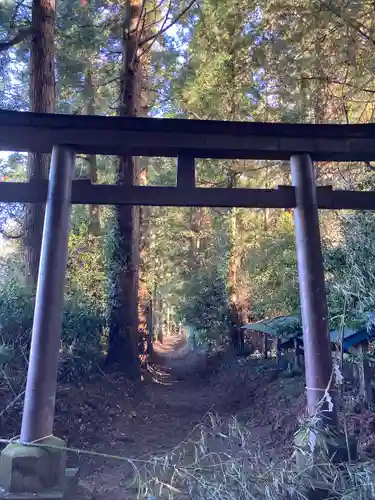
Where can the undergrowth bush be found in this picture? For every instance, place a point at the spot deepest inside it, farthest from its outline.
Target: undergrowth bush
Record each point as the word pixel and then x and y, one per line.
pixel 350 270
pixel 82 340
pixel 82 330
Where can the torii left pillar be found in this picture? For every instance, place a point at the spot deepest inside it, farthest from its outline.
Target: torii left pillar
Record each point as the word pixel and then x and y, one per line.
pixel 28 471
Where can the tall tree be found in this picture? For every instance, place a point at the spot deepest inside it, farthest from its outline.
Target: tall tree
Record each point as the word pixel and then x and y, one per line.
pixel 123 314
pixel 42 100
pixel 89 94
pixel 221 84
pixel 143 22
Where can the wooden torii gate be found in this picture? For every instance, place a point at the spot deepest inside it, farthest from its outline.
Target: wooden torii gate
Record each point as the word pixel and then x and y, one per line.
pixel 187 140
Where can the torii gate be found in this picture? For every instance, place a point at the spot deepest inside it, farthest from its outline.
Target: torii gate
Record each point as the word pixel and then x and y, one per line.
pixel 187 140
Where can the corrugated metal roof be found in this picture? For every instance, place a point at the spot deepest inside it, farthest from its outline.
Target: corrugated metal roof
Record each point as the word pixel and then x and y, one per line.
pixel 275 326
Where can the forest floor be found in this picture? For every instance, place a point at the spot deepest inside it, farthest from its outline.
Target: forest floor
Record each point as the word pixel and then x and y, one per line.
pixel 136 421
pixel 178 393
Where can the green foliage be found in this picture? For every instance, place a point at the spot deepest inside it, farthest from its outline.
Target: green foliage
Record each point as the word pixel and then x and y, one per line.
pixel 351 270
pixel 16 305
pixel 206 305
pixel 231 60
pixel 6 355
pixel 273 271
pixel 220 79
pixel 82 342
pixel 86 272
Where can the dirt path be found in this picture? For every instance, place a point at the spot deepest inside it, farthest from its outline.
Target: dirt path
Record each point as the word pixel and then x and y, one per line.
pixel 137 421
pixel 112 416
pixel 144 420
pixel 158 416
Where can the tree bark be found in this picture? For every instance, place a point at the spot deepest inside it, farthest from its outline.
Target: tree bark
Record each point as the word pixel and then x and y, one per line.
pixel 159 328
pixel 42 100
pixel 89 95
pixel 123 314
pixel 150 328
pixel 144 288
pixel 144 296
pixel 236 302
pixel 18 38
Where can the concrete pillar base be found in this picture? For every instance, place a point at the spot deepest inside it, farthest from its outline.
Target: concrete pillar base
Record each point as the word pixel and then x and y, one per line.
pixel 333 447
pixel 328 447
pixel 30 472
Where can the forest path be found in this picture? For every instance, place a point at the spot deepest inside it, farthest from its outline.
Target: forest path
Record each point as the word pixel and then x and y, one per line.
pixel 142 420
pixel 178 359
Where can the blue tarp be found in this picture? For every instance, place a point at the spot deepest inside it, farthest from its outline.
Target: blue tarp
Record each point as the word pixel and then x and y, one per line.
pixel 352 337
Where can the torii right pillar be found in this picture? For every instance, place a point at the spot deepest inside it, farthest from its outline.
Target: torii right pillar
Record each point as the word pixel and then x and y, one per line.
pixel 318 359
pixel 317 346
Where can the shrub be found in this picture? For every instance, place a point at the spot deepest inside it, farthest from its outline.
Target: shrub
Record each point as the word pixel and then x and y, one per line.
pixel 82 328
pixel 82 340
pixel 350 270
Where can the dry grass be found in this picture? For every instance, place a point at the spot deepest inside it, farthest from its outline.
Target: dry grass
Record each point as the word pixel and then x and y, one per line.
pixel 222 463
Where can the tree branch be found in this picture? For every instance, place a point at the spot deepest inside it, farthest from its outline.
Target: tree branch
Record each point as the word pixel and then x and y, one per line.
pixel 354 25
pixel 147 49
pixel 18 38
pixel 174 21
pixel 108 82
pixel 11 236
pixel 368 165
pixel 337 82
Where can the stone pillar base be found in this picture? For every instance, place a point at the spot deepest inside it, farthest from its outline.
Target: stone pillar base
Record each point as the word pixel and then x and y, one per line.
pixel 33 472
pixel 332 448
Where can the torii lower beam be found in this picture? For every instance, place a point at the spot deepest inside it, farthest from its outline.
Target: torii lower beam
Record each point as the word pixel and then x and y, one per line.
pixel 85 193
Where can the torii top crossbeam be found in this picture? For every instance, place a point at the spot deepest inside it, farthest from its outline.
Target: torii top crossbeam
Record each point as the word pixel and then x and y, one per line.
pixel 198 138
pixel 187 140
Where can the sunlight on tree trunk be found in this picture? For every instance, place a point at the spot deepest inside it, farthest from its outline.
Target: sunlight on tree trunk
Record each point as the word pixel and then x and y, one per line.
pixel 42 100
pixel 123 335
pixel 89 95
